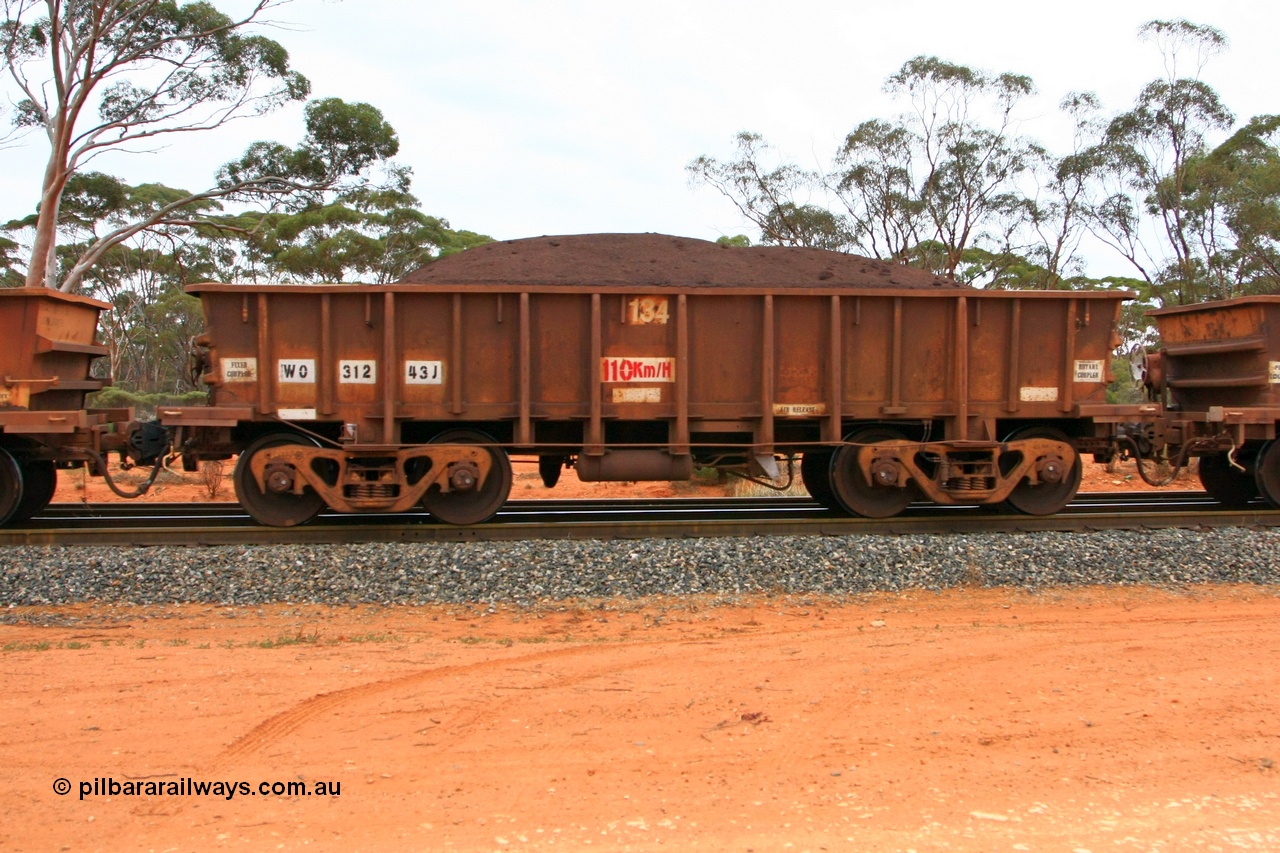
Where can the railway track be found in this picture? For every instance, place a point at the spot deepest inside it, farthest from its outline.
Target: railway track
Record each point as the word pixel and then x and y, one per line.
pixel 228 524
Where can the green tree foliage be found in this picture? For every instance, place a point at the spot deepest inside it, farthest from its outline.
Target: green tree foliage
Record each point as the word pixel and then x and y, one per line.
pixel 1059 210
pixel 969 160
pixel 96 75
pixel 1146 157
pixel 808 225
pixel 11 274
pixel 1191 201
pixel 370 234
pixel 99 75
pixel 1231 202
pixel 941 177
pixel 874 180
pixel 765 197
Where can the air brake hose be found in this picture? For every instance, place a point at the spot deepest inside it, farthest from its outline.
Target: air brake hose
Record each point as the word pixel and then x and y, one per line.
pixel 136 493
pixel 1180 459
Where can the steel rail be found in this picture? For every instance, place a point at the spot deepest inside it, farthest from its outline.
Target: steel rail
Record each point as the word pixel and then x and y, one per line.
pixel 226 524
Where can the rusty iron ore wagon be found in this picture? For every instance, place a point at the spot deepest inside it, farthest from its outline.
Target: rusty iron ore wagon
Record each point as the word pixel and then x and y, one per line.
pixel 47 349
pixel 645 357
pixel 1217 375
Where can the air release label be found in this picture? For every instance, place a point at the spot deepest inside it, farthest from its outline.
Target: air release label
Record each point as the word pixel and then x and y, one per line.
pixel 799 410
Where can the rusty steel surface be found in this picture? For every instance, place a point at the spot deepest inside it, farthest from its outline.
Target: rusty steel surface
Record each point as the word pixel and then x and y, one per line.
pixel 1223 353
pixel 567 368
pixel 47 348
pixel 643 356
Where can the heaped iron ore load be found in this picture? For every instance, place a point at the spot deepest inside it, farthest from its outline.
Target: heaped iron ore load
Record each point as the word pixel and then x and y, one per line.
pixel 47 349
pixel 1218 375
pixel 633 357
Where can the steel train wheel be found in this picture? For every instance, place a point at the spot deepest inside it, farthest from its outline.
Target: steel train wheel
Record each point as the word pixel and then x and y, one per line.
pixel 1226 485
pixel 274 508
pixel 10 486
pixel 1045 498
pixel 39 482
pixel 471 506
pixel 1266 474
pixel 852 490
pixel 815 471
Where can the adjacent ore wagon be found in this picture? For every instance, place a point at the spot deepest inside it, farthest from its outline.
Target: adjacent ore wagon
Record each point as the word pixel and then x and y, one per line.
pixel 47 348
pixel 645 357
pixel 1218 374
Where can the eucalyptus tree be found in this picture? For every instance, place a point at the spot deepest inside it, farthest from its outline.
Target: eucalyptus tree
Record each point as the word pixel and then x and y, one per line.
pixel 149 330
pixel 1251 157
pixel 922 189
pixel 967 158
pixel 1059 209
pixel 102 75
pixel 774 199
pixel 1230 199
pixel 374 235
pixel 11 274
pixel 943 185
pixel 1146 156
pixel 874 180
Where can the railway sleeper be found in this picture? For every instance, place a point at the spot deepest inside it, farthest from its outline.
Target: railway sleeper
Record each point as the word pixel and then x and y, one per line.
pixel 385 480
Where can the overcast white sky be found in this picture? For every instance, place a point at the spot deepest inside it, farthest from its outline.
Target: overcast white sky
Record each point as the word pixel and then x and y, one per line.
pixel 570 116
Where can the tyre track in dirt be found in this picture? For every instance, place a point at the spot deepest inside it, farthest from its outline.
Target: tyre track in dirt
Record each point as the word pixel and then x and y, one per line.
pixel 281 725
pixel 285 723
pixel 291 720
pixel 278 727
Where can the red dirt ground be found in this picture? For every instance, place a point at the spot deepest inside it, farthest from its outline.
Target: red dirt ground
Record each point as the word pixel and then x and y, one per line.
pixel 1082 720
pixel 1128 719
